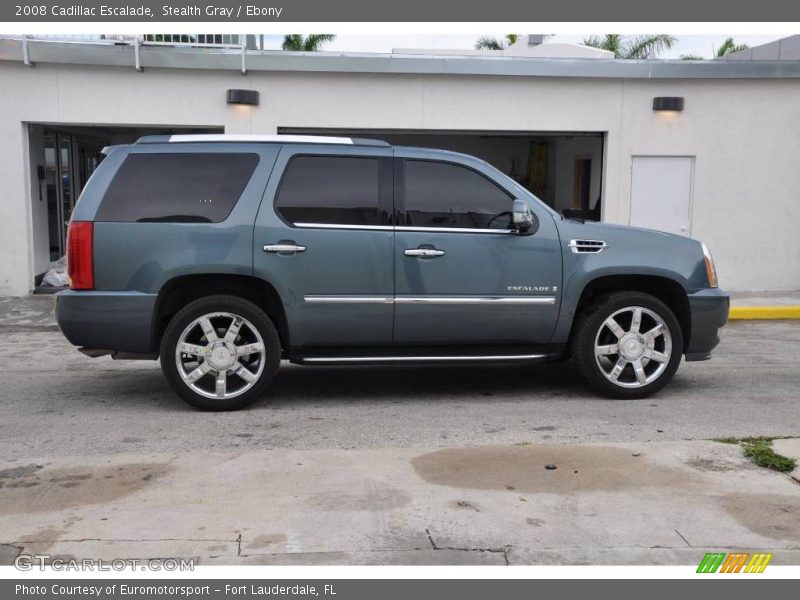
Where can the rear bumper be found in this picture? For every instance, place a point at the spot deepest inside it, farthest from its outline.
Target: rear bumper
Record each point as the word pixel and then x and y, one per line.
pixel 106 320
pixel 709 312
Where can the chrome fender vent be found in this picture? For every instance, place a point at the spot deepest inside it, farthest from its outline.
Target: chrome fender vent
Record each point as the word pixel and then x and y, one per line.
pixel 587 246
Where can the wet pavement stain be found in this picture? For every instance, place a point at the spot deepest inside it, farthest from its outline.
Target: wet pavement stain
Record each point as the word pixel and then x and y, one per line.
pixel 262 541
pixel 18 472
pixel 47 489
pixel 771 515
pixel 715 465
pixel 464 504
pixel 40 541
pixel 522 468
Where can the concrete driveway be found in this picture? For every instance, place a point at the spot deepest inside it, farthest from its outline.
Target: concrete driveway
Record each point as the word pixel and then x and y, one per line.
pixel 394 466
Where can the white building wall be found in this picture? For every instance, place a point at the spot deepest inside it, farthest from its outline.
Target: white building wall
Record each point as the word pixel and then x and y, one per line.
pixel 745 137
pixel 742 133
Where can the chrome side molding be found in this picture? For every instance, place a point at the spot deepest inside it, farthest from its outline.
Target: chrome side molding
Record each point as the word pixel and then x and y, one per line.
pixel 475 299
pixel 349 299
pixel 485 300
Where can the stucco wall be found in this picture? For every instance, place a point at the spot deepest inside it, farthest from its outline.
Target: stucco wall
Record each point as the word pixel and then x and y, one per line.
pixel 744 135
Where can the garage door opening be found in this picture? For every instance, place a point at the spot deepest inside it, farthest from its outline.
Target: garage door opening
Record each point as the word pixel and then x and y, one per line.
pixel 62 158
pixel 563 169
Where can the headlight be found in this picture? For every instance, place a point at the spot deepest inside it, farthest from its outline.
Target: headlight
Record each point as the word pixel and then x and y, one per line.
pixel 711 270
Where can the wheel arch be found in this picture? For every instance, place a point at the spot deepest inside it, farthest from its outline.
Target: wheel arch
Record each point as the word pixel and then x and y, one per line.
pixel 668 290
pixel 179 291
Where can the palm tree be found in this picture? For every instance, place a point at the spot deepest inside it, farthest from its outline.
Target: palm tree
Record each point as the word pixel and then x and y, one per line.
pixel 638 47
pixel 308 43
pixel 729 46
pixel 491 43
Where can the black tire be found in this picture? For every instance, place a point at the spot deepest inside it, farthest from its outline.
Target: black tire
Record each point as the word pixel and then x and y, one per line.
pixel 221 304
pixel 590 328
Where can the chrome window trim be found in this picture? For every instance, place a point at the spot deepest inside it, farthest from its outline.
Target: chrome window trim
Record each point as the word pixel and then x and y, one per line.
pixel 342 226
pixel 490 300
pixel 343 359
pixel 305 225
pixel 454 229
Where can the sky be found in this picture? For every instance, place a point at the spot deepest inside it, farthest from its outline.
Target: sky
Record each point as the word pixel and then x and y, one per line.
pixel 702 45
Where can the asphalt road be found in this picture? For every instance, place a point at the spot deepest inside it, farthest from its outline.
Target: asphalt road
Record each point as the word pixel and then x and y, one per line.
pixel 55 401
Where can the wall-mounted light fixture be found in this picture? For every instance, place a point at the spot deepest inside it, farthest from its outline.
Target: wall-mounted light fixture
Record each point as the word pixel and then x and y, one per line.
pixel 670 103
pixel 249 97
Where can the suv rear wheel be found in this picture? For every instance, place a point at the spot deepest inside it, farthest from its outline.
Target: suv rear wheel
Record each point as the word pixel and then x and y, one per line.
pixel 220 352
pixel 627 345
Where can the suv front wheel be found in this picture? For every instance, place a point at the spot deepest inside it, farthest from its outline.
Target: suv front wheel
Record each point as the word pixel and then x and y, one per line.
pixel 627 345
pixel 220 352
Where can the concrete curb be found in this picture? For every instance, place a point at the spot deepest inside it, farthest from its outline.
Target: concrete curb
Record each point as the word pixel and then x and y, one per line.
pixel 764 312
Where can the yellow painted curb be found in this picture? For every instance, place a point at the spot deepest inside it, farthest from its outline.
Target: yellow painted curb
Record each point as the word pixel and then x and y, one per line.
pixel 764 312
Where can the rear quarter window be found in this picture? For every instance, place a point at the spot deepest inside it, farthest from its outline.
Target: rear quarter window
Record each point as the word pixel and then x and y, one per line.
pixel 177 187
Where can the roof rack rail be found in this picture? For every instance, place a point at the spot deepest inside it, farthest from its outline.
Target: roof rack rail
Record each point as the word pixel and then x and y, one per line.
pixel 272 139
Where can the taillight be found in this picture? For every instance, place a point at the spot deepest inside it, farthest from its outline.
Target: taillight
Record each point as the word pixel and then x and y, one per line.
pixel 80 255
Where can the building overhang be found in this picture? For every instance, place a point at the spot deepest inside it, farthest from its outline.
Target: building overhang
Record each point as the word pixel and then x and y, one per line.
pixel 123 55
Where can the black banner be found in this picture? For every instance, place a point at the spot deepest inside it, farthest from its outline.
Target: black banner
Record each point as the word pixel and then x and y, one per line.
pixel 392 589
pixel 252 11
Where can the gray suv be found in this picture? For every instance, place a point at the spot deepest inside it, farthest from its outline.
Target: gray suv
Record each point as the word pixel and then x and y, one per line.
pixel 224 254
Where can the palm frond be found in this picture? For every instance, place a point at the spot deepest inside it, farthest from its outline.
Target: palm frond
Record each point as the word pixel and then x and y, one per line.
pixel 489 43
pixel 648 46
pixel 611 42
pixel 315 41
pixel 728 47
pixel 310 43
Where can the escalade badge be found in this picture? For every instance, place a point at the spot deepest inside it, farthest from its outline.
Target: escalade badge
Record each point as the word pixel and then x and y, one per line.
pixel 532 288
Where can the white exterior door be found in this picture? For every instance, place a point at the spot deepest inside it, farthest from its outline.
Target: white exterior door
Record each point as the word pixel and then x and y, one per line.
pixel 661 193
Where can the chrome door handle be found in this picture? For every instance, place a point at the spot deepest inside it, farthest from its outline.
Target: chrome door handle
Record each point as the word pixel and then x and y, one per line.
pixel 284 248
pixel 424 252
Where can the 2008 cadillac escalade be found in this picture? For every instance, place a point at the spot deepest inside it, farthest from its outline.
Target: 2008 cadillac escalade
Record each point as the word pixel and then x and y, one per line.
pixel 224 254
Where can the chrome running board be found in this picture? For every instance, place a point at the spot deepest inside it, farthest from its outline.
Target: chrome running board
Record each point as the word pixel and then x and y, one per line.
pixel 417 359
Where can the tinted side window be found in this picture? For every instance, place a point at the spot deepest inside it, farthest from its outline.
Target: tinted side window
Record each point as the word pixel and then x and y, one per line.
pixel 190 187
pixel 339 190
pixel 441 194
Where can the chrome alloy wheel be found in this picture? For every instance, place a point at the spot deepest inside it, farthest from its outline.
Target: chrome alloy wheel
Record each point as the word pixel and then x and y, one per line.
pixel 633 347
pixel 220 355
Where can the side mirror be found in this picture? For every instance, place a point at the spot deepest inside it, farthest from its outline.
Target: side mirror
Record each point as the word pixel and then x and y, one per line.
pixel 522 217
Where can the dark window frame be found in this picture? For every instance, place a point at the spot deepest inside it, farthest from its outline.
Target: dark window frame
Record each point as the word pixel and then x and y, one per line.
pixel 399 216
pixel 386 192
pixel 102 218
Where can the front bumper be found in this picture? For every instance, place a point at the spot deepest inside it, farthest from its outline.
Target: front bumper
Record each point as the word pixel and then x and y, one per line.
pixel 120 321
pixel 709 312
